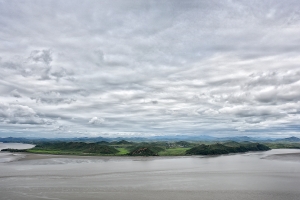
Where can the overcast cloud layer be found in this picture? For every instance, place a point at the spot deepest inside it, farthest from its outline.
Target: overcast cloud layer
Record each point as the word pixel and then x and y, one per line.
pixel 140 68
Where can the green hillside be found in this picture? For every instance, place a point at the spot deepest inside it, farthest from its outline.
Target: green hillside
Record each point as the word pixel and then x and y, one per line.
pixel 80 148
pixel 226 148
pixel 145 151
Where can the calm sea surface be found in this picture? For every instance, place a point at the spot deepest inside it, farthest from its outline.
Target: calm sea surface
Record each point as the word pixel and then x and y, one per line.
pixel 272 175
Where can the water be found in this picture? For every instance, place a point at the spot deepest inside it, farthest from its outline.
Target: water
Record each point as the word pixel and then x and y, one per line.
pixel 259 175
pixel 15 146
pixel 9 157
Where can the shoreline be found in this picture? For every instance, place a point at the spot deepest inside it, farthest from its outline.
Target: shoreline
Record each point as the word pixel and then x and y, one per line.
pixel 292 156
pixel 37 156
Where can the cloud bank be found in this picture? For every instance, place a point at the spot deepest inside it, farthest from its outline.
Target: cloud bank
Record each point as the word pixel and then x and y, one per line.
pixel 141 68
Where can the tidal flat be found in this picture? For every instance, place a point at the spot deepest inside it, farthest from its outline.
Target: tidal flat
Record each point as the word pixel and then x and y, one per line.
pixel 255 175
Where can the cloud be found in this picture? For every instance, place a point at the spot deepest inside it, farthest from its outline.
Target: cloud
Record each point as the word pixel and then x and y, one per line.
pixel 167 68
pixel 19 114
pixel 43 56
pixel 96 121
pixel 15 93
pixel 52 97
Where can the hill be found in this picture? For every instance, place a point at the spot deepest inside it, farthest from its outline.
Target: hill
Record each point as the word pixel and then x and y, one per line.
pixel 226 148
pixel 79 148
pixel 145 151
pixel 290 139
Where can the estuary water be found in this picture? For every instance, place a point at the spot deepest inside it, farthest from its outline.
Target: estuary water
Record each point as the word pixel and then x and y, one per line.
pixel 8 157
pixel 271 175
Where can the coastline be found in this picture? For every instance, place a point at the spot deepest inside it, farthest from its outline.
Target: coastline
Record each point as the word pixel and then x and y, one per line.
pixel 27 156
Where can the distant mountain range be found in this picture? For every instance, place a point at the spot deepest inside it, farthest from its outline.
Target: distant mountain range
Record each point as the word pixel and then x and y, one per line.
pixel 290 139
pixel 145 139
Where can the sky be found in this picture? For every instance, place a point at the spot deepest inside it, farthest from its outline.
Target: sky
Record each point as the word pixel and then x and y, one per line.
pixel 149 68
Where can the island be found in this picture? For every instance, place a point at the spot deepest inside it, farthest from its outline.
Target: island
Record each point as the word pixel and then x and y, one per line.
pixel 125 148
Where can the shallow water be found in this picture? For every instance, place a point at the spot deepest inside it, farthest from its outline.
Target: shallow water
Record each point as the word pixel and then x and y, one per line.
pixel 15 146
pixel 9 157
pixel 257 175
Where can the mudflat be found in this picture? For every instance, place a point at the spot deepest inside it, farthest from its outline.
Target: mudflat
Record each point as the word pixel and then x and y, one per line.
pixel 254 175
pixel 295 157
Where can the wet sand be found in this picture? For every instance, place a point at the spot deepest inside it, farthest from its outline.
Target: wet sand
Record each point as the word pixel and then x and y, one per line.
pixel 294 157
pixel 246 176
pixel 32 156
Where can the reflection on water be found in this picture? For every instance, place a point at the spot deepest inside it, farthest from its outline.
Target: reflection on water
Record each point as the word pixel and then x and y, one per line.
pixel 240 176
pixel 15 146
pixel 9 157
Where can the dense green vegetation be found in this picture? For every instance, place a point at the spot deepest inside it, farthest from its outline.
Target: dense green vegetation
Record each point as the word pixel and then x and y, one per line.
pixel 158 148
pixel 78 148
pixel 148 150
pixel 180 151
pixel 226 148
